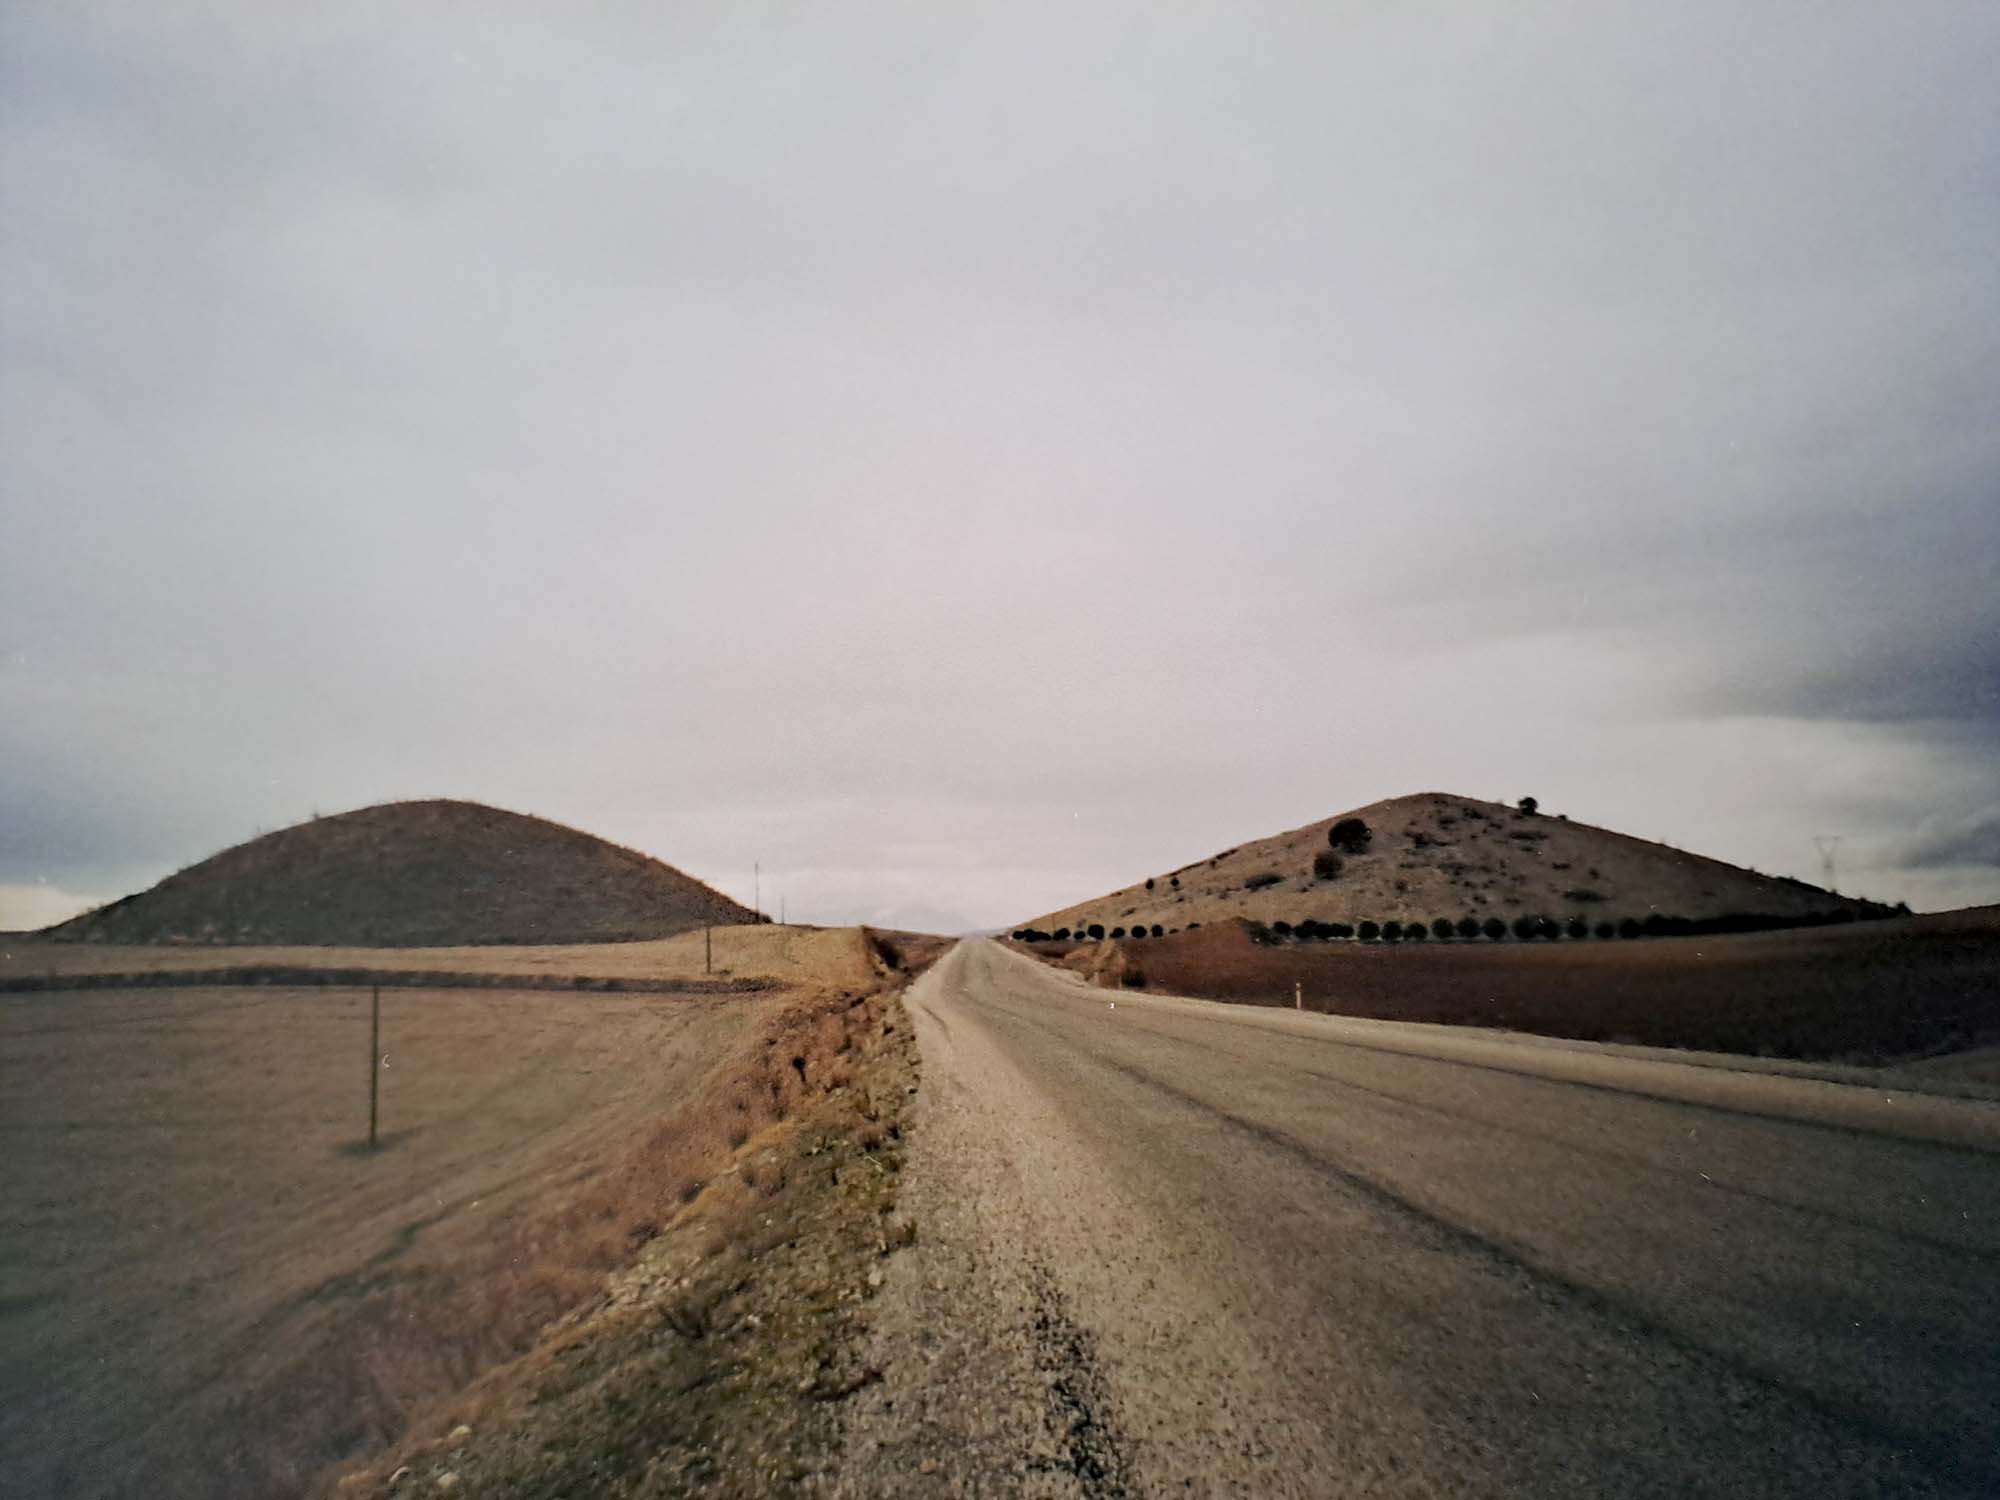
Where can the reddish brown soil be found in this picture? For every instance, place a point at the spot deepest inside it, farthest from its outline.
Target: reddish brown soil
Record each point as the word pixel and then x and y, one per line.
pixel 1870 992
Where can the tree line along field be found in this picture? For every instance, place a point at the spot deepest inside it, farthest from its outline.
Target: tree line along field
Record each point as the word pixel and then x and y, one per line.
pixel 1865 992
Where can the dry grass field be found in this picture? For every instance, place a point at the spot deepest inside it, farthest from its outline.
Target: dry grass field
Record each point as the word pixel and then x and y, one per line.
pixel 210 1286
pixel 782 955
pixel 1870 992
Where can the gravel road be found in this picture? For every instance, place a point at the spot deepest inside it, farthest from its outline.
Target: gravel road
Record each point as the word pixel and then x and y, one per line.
pixel 1170 1247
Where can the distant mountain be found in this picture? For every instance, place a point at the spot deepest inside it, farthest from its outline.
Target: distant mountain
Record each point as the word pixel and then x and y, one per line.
pixel 414 874
pixel 1434 855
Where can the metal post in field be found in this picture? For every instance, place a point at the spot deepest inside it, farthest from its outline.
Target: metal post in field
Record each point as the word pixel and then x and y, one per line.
pixel 1298 995
pixel 374 1060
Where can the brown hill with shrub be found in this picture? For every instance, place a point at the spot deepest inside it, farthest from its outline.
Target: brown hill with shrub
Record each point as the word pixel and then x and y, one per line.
pixel 1433 855
pixel 414 874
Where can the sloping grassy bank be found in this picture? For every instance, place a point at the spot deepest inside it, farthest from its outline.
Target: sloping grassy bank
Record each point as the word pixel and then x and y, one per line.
pixel 710 1358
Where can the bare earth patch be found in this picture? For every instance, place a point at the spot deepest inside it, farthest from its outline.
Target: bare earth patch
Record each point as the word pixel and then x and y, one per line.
pixel 1867 993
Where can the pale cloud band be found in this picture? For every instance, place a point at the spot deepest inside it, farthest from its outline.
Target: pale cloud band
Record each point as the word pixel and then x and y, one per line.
pixel 966 458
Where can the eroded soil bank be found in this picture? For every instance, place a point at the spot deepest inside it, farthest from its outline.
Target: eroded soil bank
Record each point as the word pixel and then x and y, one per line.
pixel 717 1361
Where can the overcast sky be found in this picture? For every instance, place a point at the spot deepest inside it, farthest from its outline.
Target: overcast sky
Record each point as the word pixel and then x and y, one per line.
pixel 967 459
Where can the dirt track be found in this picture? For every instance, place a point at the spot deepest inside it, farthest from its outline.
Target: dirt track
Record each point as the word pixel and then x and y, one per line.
pixel 1174 1246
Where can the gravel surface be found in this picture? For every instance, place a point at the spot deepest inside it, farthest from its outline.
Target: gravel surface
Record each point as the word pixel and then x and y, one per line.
pixel 1170 1247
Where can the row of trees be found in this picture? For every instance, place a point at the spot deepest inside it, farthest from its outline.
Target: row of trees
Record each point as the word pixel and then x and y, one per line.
pixel 1095 932
pixel 1527 928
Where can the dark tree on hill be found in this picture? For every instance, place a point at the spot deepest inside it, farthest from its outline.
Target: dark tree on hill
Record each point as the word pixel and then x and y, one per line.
pixel 1392 931
pixel 1282 927
pixel 1118 932
pixel 1526 928
pixel 1416 932
pixel 1629 928
pixel 1062 934
pixel 1468 927
pixel 1158 930
pixel 1149 882
pixel 1578 928
pixel 1494 928
pixel 1442 929
pixel 1097 931
pixel 1529 806
pixel 1607 929
pixel 1350 836
pixel 1326 865
pixel 1369 931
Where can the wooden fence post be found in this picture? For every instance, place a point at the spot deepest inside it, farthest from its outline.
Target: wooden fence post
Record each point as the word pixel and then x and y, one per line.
pixel 374 1061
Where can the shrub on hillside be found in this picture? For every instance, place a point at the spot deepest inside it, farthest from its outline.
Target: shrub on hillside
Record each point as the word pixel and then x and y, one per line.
pixel 1263 880
pixel 1582 895
pixel 1149 882
pixel 1494 928
pixel 1326 865
pixel 1578 928
pixel 1548 929
pixel 1468 927
pixel 1526 927
pixel 1392 931
pixel 1442 929
pixel 1528 806
pixel 1369 931
pixel 1062 934
pixel 1607 929
pixel 1629 928
pixel 1349 836
pixel 1282 927
pixel 1416 932
pixel 1096 931
pixel 1118 932
pixel 1158 930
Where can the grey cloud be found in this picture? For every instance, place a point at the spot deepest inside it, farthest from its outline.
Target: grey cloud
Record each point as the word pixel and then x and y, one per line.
pixel 1940 843
pixel 973 456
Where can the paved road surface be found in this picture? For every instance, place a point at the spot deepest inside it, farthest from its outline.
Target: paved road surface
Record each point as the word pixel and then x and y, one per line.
pixel 1169 1247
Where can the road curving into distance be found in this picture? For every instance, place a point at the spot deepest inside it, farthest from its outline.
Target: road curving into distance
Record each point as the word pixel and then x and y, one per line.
pixel 1167 1246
